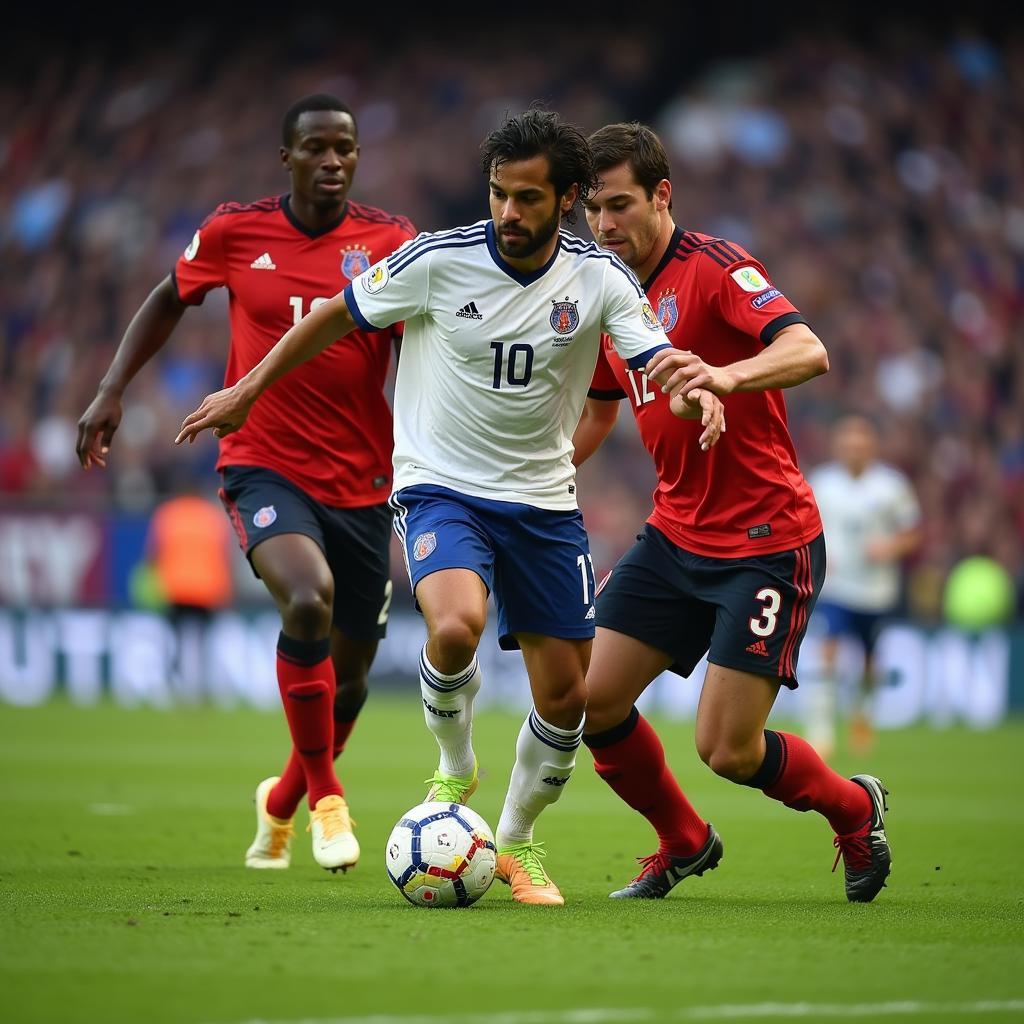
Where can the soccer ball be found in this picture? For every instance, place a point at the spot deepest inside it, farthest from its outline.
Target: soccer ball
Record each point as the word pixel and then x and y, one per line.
pixel 441 855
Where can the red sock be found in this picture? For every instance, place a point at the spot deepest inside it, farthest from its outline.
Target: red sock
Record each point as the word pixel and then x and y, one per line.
pixel 794 774
pixel 631 759
pixel 285 797
pixel 305 676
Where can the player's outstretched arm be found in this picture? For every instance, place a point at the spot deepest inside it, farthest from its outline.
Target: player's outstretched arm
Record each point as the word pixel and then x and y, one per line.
pixel 225 411
pixel 793 356
pixel 146 334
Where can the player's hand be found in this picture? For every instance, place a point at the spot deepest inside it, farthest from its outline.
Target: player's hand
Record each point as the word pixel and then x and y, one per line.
pixel 96 429
pixel 222 412
pixel 703 405
pixel 678 371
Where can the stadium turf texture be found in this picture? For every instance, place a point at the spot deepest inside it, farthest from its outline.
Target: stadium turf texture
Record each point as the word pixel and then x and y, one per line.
pixel 123 897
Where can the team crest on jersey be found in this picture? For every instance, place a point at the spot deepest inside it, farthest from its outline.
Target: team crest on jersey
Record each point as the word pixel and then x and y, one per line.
pixel 193 248
pixel 376 277
pixel 668 311
pixel 565 317
pixel 265 516
pixel 651 322
pixel 355 261
pixel 424 545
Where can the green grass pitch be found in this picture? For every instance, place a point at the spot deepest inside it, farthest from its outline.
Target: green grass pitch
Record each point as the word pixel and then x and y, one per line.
pixel 123 897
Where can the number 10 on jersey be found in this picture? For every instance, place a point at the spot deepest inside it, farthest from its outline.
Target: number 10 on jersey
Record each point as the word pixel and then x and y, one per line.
pixel 515 367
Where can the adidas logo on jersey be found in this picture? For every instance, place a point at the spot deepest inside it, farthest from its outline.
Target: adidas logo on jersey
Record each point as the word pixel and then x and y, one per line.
pixel 263 262
pixel 470 311
pixel 759 647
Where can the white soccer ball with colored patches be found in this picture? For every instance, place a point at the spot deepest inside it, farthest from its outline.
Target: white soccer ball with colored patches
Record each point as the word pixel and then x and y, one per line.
pixel 441 855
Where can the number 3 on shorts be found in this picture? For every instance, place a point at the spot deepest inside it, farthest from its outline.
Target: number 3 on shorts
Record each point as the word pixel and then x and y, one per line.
pixel 768 621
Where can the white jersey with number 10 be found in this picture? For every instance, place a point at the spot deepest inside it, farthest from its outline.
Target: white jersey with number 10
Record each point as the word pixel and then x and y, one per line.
pixel 496 364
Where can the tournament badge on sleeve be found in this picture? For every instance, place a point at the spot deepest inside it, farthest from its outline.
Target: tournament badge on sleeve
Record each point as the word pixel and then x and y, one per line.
pixel 565 317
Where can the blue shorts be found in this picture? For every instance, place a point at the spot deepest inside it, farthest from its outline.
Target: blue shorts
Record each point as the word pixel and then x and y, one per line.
pixel 843 621
pixel 536 562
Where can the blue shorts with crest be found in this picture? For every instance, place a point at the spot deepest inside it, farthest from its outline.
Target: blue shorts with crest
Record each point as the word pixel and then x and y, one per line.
pixel 535 562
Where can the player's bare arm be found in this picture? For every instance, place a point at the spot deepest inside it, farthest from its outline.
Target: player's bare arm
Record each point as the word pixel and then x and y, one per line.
pixel 595 425
pixel 700 403
pixel 225 411
pixel 794 355
pixel 894 547
pixel 146 334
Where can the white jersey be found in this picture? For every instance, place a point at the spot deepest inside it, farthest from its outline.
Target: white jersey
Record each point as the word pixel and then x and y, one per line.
pixel 856 510
pixel 496 364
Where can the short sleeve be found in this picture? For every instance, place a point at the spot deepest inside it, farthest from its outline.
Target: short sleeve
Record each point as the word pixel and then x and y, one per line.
pixel 202 266
pixel 604 385
pixel 393 289
pixel 743 295
pixel 629 318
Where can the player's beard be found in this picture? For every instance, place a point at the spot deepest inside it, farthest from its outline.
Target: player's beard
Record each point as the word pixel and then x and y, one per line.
pixel 524 247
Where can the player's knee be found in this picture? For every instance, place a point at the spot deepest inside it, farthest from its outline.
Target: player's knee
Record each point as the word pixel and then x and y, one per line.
pixel 307 613
pixel 456 636
pixel 605 711
pixel 565 707
pixel 737 764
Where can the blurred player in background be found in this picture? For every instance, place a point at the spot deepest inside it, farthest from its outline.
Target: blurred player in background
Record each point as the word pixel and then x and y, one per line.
pixel 503 327
pixel 872 522
pixel 732 557
pixel 306 481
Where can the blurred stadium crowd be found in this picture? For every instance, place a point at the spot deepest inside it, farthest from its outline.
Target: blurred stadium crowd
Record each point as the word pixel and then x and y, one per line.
pixel 882 185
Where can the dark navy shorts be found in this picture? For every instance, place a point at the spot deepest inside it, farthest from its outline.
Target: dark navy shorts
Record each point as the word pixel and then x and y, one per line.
pixel 536 562
pixel 842 621
pixel 746 613
pixel 355 541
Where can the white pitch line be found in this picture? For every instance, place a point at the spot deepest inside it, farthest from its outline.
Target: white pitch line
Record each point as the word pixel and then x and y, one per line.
pixel 640 1015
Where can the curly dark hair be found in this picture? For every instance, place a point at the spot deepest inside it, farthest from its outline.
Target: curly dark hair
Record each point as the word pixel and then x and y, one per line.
pixel 318 101
pixel 538 132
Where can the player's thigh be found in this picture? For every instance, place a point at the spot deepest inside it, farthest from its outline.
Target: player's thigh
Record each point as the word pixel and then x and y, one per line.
pixel 440 531
pixel 278 528
pixel 651 597
pixel 358 544
pixel 763 606
pixel 621 668
pixel 543 574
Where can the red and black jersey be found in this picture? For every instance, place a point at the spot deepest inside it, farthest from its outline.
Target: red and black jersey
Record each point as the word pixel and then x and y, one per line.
pixel 746 495
pixel 326 425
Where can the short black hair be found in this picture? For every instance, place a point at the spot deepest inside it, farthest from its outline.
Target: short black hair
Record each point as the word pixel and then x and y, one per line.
pixel 540 132
pixel 636 144
pixel 318 101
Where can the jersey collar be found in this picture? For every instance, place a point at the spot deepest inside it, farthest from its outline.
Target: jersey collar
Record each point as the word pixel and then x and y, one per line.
pixel 666 257
pixel 517 275
pixel 286 209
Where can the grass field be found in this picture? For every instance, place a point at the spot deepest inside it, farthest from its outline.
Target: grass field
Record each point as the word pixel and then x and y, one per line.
pixel 123 898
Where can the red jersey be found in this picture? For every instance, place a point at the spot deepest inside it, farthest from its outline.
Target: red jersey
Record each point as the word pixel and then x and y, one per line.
pixel 746 495
pixel 326 425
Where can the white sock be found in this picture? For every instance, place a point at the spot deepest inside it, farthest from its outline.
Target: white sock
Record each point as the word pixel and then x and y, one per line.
pixel 545 757
pixel 819 715
pixel 448 710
